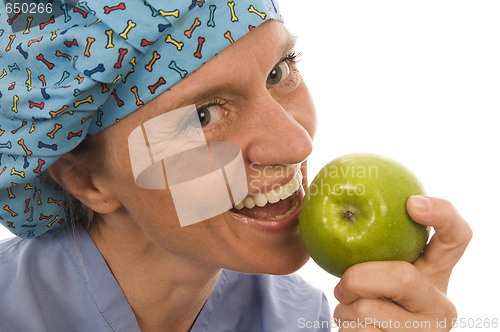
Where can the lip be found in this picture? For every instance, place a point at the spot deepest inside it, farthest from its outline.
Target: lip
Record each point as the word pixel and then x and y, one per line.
pixel 273 226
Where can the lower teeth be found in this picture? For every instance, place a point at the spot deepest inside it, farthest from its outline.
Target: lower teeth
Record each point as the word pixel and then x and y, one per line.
pixel 295 203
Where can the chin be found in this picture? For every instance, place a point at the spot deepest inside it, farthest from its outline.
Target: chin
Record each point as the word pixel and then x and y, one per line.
pixel 278 262
pixel 288 267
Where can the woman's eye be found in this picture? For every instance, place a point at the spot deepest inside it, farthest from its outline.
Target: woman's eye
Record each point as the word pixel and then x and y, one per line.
pixel 207 116
pixel 204 117
pixel 279 73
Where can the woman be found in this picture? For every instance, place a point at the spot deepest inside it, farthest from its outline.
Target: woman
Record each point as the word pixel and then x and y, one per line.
pixel 134 266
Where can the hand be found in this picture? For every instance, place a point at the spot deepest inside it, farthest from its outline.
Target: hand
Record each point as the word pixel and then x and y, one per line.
pixel 395 296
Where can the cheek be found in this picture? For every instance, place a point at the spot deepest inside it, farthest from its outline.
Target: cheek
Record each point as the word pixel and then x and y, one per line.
pixel 152 209
pixel 145 206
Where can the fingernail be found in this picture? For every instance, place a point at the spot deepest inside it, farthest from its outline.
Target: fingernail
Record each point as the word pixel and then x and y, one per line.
pixel 420 203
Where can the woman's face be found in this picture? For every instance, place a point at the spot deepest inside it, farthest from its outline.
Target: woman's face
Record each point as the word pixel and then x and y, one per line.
pixel 251 95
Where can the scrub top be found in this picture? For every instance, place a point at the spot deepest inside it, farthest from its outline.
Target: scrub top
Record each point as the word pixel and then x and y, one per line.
pixel 60 282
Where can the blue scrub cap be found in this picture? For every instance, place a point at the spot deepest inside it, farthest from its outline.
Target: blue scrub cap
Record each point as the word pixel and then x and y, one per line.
pixel 84 67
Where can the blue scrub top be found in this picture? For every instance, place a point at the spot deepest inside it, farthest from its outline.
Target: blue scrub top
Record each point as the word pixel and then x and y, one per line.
pixel 60 282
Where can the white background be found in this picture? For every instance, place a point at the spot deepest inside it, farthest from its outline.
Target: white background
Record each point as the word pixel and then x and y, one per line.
pixel 418 81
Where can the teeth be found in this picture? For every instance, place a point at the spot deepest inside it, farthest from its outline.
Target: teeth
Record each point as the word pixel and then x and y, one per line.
pixel 288 213
pixel 260 200
pixel 273 196
pixel 248 202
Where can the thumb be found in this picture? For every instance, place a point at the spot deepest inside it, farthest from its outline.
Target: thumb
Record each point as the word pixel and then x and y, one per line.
pixel 451 237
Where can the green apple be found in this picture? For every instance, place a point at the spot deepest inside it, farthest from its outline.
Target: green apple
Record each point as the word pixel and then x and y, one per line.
pixel 355 211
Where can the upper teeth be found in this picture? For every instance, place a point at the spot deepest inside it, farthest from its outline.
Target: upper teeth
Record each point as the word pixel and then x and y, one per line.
pixel 273 196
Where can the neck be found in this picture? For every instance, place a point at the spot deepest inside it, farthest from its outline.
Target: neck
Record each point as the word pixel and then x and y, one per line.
pixel 163 289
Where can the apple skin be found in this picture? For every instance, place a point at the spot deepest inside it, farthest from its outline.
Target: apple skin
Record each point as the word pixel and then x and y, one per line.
pixel 354 211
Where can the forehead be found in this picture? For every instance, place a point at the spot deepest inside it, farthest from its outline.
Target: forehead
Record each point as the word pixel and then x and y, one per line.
pixel 250 58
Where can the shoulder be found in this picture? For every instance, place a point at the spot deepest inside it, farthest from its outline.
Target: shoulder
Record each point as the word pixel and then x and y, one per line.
pixel 261 302
pixel 38 274
pixel 44 278
pixel 27 268
pixel 7 244
pixel 17 252
pixel 28 257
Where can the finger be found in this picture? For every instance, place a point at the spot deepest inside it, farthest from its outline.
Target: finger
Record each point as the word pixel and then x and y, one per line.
pixel 452 235
pixel 378 313
pixel 400 281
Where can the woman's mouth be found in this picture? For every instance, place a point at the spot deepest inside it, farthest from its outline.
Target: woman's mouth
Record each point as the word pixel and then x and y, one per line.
pixel 273 209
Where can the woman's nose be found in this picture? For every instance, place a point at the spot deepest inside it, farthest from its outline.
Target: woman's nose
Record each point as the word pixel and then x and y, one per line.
pixel 275 137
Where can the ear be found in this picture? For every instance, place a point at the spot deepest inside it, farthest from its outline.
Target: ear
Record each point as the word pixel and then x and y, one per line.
pixel 71 174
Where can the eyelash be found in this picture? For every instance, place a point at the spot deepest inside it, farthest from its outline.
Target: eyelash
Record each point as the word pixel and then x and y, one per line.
pixel 217 128
pixel 292 59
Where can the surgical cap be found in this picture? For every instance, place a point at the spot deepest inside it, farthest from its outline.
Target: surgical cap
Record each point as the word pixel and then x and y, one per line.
pixel 82 66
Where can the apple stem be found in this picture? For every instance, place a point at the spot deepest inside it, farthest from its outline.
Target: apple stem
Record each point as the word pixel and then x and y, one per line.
pixel 348 214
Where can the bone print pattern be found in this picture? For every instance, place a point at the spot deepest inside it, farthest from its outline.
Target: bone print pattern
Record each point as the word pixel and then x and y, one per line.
pixel 75 74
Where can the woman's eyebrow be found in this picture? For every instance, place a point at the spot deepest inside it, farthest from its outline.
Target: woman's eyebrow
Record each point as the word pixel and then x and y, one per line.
pixel 287 48
pixel 198 98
